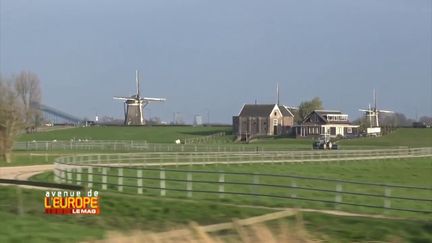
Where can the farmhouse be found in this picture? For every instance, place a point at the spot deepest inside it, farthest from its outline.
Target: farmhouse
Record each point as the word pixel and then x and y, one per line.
pixel 331 122
pixel 257 120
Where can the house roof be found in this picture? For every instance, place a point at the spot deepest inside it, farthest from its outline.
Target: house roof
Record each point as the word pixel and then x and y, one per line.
pixel 257 110
pixel 325 112
pixel 322 114
pixel 285 111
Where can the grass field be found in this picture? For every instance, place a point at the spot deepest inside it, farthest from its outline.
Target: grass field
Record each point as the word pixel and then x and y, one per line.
pixel 411 137
pixel 127 213
pixel 149 212
pixel 411 172
pixel 153 134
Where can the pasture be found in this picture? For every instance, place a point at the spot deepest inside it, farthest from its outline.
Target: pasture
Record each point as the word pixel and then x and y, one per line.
pixel 127 210
pixel 127 213
pixel 152 134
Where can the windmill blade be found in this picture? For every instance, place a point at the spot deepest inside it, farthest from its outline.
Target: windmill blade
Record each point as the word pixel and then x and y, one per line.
pixel 137 83
pixel 384 111
pixel 153 99
pixel 122 98
pixel 375 100
pixel 365 110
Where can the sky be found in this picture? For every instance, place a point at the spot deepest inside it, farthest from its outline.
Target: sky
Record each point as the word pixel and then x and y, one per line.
pixel 211 57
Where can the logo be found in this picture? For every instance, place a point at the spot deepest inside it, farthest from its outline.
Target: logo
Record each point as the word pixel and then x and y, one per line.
pixel 72 202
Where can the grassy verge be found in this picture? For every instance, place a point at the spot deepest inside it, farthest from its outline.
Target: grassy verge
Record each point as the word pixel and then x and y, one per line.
pixel 126 213
pixel 118 213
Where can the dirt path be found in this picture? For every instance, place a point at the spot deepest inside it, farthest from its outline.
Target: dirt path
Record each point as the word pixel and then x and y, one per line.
pixel 23 172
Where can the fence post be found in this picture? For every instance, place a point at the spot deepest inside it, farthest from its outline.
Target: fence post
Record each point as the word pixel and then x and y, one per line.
pixel 69 175
pixel 255 189
pixel 90 177
pixel 120 179
pixel 221 184
pixel 139 181
pixel 293 185
pixel 189 184
pixel 162 182
pixel 387 201
pixel 104 178
pixel 56 173
pixel 338 197
pixel 63 174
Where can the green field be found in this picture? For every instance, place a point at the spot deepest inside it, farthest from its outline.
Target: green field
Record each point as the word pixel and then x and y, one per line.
pixel 149 212
pixel 410 172
pixel 127 213
pixel 153 134
pixel 411 137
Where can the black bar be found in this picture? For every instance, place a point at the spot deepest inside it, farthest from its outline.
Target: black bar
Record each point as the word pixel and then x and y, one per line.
pixel 42 184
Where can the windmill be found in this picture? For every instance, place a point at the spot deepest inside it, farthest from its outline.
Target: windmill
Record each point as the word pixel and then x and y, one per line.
pixel 134 105
pixel 372 114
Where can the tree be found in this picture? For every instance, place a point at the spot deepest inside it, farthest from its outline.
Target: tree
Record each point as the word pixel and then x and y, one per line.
pixel 11 118
pixel 306 107
pixel 27 87
pixel 395 120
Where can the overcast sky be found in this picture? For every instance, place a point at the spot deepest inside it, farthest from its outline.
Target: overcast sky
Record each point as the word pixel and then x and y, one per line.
pixel 214 56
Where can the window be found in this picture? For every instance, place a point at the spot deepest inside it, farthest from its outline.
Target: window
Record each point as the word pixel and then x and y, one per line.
pixel 275 122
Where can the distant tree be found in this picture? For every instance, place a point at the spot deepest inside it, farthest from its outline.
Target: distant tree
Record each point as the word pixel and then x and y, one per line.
pixel 27 87
pixel 306 107
pixel 11 118
pixel 395 120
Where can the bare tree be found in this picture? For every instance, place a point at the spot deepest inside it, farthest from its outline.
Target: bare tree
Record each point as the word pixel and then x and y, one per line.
pixel 27 87
pixel 11 118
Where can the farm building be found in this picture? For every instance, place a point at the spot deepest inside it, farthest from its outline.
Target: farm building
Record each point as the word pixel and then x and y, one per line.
pixel 330 122
pixel 257 120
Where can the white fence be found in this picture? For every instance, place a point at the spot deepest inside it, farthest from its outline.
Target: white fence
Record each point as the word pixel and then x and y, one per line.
pixel 155 174
pixel 242 157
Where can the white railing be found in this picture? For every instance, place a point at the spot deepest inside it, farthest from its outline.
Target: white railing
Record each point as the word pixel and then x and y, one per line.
pixel 242 157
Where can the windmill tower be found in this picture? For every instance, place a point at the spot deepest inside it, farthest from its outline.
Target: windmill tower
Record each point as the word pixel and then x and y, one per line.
pixel 134 105
pixel 372 114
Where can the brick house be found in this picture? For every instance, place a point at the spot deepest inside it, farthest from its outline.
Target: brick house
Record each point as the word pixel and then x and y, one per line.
pixel 255 120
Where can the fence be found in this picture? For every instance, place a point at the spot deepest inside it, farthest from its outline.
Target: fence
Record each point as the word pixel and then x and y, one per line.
pixel 148 174
pixel 112 145
pixel 241 157
pixel 132 145
pixel 204 139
